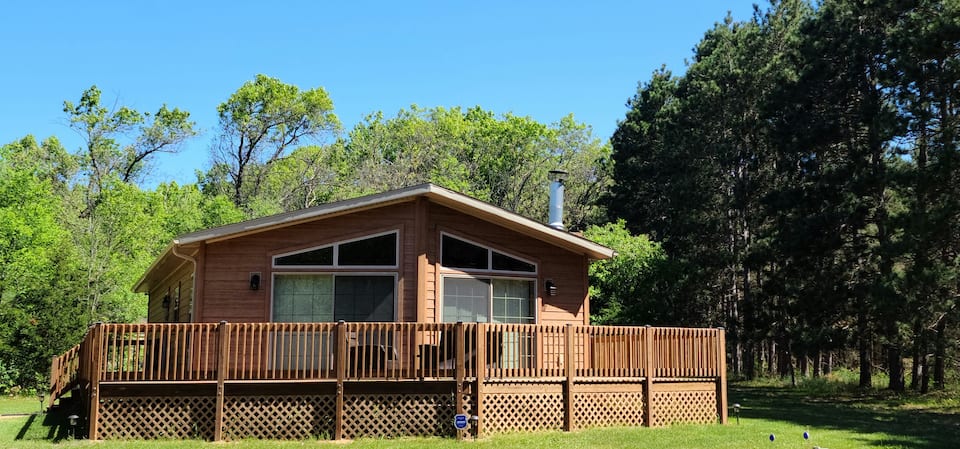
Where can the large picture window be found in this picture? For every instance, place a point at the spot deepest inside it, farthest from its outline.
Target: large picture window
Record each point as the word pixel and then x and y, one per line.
pixel 311 297
pixel 492 287
pixel 494 300
pixel 310 292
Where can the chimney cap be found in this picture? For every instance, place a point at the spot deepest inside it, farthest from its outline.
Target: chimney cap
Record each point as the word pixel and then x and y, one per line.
pixel 557 175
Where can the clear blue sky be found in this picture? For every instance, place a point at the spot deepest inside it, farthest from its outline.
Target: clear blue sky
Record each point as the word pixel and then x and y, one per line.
pixel 543 59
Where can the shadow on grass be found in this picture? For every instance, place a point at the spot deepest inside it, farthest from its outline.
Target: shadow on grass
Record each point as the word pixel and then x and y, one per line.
pixel 53 427
pixel 918 429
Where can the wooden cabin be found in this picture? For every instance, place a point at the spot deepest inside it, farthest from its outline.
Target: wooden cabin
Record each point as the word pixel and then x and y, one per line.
pixel 420 254
pixel 400 313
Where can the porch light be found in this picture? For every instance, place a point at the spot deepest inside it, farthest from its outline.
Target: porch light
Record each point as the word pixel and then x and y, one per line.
pixel 254 281
pixel 551 288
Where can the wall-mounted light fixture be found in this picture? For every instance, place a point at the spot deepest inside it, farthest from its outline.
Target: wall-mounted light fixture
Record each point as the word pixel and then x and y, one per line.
pixel 551 288
pixel 255 281
pixel 166 302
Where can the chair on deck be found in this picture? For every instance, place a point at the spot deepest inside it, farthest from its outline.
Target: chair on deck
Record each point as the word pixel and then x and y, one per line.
pixel 442 356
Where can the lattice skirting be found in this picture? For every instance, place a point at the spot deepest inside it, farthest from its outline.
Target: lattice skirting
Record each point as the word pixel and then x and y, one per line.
pixel 156 417
pixel 608 409
pixel 393 415
pixel 284 417
pixel 522 412
pixel 381 412
pixel 684 403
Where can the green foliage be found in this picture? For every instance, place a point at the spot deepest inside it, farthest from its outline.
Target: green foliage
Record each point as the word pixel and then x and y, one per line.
pixel 503 160
pixel 38 300
pixel 773 175
pixel 623 289
pixel 107 154
pixel 259 124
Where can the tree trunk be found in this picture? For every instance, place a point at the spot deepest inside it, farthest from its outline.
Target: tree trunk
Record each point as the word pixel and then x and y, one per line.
pixel 866 381
pixel 749 359
pixel 771 357
pixel 919 348
pixel 895 367
pixel 924 370
pixel 817 362
pixel 940 355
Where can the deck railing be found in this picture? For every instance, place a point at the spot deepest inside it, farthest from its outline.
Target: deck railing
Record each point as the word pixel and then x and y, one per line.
pixel 486 355
pixel 64 371
pixel 206 352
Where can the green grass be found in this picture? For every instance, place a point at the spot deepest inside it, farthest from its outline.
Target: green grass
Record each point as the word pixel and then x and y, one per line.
pixel 836 416
pixel 19 404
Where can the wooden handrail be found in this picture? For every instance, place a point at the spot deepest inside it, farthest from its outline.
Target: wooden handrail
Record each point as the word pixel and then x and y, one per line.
pixel 64 370
pixel 384 351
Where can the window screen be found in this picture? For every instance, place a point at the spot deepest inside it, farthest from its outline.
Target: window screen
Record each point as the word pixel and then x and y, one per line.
pixel 364 298
pixel 325 298
pixel 303 298
pixel 465 299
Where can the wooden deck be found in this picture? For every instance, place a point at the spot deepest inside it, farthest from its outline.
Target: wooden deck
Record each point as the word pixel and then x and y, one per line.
pixel 225 381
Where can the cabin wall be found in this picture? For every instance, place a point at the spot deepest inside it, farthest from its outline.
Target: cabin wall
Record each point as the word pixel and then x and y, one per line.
pixel 227 265
pixel 566 269
pixel 179 287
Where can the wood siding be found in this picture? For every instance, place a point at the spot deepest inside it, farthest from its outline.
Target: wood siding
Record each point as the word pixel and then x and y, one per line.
pixel 179 286
pixel 226 266
pixel 566 269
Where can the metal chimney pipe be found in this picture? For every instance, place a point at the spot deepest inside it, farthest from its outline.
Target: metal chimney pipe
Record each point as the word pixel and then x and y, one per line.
pixel 556 199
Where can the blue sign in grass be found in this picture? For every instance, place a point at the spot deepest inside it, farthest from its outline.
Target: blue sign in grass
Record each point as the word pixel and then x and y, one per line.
pixel 460 421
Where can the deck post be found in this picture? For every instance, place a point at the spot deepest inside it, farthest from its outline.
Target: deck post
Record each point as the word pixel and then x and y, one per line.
pixel 481 375
pixel 95 374
pixel 722 376
pixel 54 380
pixel 341 366
pixel 461 367
pixel 649 371
pixel 223 334
pixel 568 359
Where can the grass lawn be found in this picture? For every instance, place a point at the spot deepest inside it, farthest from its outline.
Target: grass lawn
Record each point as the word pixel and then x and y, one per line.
pixel 834 417
pixel 19 404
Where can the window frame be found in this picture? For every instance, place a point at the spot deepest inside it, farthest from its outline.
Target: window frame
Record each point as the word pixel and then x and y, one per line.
pixel 333 275
pixel 489 274
pixel 490 251
pixel 490 317
pixel 336 255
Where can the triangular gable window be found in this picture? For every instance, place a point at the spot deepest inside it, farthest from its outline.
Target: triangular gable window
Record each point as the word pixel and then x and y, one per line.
pixel 373 251
pixel 320 257
pixel 458 253
pixel 503 262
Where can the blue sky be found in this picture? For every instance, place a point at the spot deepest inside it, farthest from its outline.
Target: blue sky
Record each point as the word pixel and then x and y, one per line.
pixel 543 59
